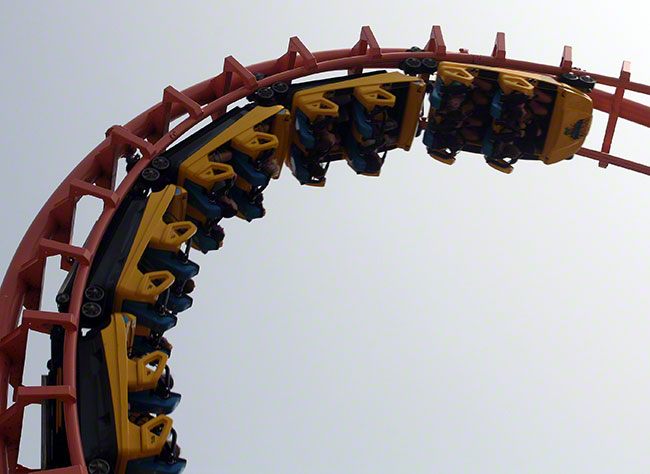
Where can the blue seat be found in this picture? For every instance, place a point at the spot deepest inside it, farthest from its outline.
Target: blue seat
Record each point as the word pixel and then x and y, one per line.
pixel 435 98
pixel 429 139
pixel 142 345
pixel 204 242
pixel 149 317
pixel 496 106
pixel 198 198
pixel 154 465
pixel 364 126
pixel 147 401
pixel 164 260
pixel 202 239
pixel 247 209
pixel 305 137
pixel 177 304
pixel 299 169
pixel 356 161
pixel 487 148
pixel 243 166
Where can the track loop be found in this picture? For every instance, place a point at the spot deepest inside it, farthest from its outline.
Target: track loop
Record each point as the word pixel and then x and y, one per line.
pixel 50 232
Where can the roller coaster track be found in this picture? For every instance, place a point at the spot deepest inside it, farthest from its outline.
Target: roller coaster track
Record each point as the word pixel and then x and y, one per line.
pixel 150 133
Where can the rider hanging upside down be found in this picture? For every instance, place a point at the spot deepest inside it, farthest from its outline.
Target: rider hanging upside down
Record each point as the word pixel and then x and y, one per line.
pixel 446 126
pixel 512 123
pixel 325 141
pixel 522 130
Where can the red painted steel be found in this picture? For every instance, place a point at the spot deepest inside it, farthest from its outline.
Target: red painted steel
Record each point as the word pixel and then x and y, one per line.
pixel 367 44
pixel 614 160
pixel 499 50
pixel 567 62
pixel 436 43
pixel 43 321
pixel 50 231
pixel 624 79
pixel 173 96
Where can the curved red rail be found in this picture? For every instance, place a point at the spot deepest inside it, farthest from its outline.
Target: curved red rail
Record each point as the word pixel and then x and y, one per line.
pixel 49 233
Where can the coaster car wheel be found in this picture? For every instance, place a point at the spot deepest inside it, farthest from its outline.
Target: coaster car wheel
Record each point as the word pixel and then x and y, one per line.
pixel 280 88
pixel 151 178
pixel 586 83
pixel 94 293
pixel 411 66
pixel 429 65
pixel 160 163
pixel 91 310
pixel 264 96
pixel 99 466
pixel 569 78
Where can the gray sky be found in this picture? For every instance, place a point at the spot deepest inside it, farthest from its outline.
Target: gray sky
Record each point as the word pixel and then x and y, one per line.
pixel 438 319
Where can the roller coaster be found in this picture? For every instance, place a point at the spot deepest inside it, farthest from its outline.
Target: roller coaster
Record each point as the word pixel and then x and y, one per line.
pixel 108 389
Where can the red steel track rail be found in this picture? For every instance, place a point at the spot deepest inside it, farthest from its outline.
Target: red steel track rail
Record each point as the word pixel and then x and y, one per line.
pixel 50 232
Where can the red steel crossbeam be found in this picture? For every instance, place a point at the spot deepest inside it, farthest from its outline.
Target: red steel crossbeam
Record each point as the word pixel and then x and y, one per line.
pixel 624 79
pixel 50 232
pixel 614 160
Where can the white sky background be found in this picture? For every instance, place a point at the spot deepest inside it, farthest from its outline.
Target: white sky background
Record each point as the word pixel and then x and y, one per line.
pixel 438 319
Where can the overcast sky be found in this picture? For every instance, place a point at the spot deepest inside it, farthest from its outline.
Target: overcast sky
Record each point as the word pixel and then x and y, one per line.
pixel 437 319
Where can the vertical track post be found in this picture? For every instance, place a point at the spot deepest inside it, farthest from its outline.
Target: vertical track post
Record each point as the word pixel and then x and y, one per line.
pixel 499 49
pixel 367 44
pixel 615 110
pixel 566 64
pixel 436 43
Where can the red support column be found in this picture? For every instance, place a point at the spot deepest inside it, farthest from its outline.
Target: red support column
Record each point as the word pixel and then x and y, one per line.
pixel 161 116
pixel 29 395
pixel 436 43
pixel 499 49
pixel 623 81
pixel 44 321
pixel 64 211
pixel 232 66
pixel 79 188
pixel 31 275
pixel 105 163
pixel 367 44
pixel 173 96
pixel 567 59
pixel 11 421
pixel 48 248
pixel 119 135
pixel 13 347
pixel 223 83
pixel 288 60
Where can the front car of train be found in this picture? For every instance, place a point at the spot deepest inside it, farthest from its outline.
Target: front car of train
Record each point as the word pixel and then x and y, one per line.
pixel 505 115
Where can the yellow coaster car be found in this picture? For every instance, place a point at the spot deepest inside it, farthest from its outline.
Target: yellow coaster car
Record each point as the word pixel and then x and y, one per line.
pixel 506 115
pixel 123 403
pixel 226 166
pixel 145 291
pixel 355 118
